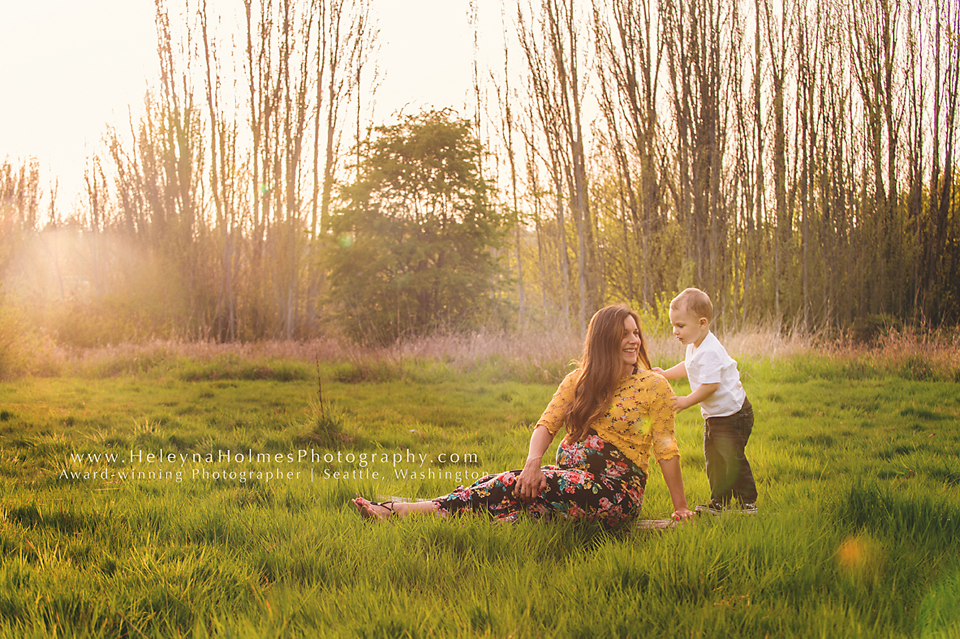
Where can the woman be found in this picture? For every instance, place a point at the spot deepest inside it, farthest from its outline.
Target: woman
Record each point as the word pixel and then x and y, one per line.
pixel 615 411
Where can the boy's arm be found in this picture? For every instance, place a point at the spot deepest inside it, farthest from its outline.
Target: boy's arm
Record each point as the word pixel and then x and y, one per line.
pixel 702 392
pixel 674 372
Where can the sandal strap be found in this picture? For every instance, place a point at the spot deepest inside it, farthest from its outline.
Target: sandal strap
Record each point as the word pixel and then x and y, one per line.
pixel 385 504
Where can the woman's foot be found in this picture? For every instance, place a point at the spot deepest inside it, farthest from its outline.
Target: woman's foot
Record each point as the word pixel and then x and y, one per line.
pixel 374 510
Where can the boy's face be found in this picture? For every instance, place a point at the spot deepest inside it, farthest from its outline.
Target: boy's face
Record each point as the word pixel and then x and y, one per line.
pixel 687 327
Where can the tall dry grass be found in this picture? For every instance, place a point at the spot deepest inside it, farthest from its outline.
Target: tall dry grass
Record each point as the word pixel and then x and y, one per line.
pixel 535 356
pixel 917 354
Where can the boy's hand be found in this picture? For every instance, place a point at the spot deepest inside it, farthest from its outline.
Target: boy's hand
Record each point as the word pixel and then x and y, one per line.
pixel 702 392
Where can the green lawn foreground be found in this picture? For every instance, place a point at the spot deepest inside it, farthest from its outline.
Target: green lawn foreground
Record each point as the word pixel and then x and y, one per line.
pixel 186 534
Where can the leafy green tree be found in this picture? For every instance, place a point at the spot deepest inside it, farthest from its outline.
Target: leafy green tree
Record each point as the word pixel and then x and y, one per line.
pixel 417 236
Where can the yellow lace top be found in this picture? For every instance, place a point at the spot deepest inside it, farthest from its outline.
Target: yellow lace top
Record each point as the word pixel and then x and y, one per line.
pixel 640 416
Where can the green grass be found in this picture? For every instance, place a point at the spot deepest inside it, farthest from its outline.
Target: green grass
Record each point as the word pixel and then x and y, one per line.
pixel 857 535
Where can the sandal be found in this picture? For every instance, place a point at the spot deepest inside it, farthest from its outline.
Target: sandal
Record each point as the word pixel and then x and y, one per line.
pixel 365 508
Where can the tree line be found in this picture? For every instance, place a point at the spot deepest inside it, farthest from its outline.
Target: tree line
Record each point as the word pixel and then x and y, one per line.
pixel 794 159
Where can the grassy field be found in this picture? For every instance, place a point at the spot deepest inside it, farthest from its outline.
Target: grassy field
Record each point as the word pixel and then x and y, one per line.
pixel 154 493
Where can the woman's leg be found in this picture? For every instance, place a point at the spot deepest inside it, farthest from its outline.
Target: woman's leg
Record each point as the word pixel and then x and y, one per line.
pixel 571 489
pixel 386 510
pixel 570 494
pixel 593 481
pixel 492 494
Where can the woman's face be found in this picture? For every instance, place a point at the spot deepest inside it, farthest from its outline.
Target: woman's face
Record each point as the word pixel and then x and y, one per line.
pixel 629 345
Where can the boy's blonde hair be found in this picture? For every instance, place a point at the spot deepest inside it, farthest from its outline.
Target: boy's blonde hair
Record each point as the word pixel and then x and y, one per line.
pixel 694 300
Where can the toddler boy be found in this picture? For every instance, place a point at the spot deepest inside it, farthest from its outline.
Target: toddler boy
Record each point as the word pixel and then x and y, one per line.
pixel 715 385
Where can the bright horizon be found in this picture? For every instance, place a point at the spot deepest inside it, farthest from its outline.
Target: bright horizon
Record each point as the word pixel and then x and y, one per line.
pixel 70 71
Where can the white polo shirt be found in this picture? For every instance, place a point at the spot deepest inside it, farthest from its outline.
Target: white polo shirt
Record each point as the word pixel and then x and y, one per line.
pixel 709 363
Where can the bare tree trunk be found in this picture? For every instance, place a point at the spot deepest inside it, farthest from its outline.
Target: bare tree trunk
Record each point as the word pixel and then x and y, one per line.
pixel 505 99
pixel 694 51
pixel 552 58
pixel 873 49
pixel 223 161
pixel 779 45
pixel 945 83
pixel 628 67
pixel 807 62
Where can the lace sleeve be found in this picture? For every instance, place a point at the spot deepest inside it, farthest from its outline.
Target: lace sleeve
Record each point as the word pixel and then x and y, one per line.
pixel 662 426
pixel 554 415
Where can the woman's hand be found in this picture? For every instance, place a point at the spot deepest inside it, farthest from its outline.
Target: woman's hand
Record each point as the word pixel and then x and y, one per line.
pixel 530 483
pixel 682 514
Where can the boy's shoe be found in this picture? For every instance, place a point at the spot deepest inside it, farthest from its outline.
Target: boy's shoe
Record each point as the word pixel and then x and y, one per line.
pixel 711 508
pixel 748 509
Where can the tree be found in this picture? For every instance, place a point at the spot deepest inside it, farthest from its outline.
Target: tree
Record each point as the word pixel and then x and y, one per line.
pixel 550 40
pixel 629 53
pixel 696 55
pixel 19 207
pixel 416 235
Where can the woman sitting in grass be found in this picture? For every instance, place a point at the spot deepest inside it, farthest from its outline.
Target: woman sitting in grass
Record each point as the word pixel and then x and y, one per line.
pixel 615 410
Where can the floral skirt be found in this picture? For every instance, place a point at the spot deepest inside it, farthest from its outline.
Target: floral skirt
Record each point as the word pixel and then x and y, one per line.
pixel 592 480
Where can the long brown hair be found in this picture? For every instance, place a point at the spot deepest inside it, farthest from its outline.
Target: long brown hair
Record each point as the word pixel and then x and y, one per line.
pixel 600 367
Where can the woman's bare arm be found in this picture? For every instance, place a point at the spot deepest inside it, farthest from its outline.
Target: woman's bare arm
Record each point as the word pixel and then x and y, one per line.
pixel 670 468
pixel 531 481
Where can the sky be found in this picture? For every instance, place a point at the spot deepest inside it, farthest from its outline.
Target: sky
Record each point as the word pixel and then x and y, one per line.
pixel 70 68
